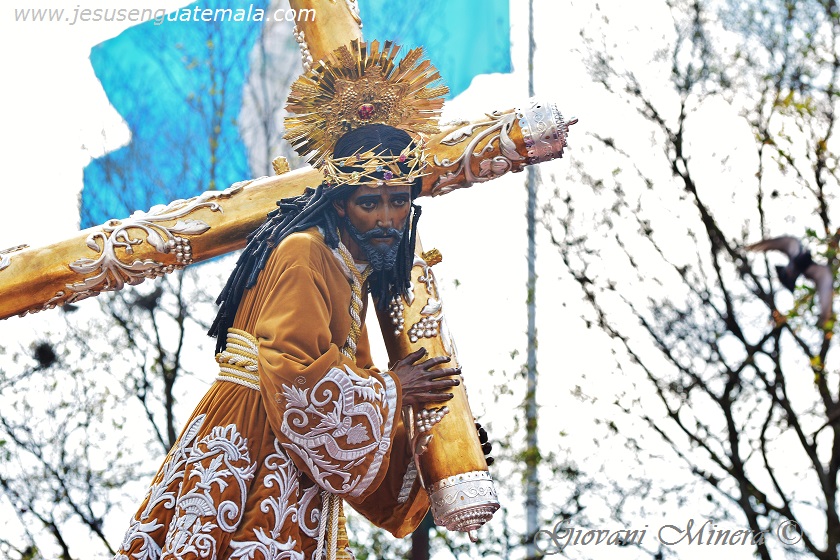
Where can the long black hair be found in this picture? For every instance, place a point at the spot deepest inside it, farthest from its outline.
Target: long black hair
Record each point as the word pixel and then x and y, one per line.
pixel 315 208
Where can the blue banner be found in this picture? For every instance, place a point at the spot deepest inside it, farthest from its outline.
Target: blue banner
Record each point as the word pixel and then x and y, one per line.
pixel 461 38
pixel 178 82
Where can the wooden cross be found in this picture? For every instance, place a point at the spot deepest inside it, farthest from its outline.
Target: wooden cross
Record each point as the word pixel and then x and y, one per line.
pixel 156 242
pixel 166 238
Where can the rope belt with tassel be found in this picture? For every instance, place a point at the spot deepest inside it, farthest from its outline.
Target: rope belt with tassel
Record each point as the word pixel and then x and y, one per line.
pixel 332 531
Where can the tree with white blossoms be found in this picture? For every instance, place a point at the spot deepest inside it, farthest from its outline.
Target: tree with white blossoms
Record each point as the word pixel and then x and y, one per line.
pixel 715 367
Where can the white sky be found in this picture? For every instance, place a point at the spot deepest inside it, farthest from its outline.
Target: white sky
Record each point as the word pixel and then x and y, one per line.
pixel 55 112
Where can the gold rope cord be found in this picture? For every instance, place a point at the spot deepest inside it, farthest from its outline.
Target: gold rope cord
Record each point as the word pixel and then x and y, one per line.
pixel 238 361
pixel 333 531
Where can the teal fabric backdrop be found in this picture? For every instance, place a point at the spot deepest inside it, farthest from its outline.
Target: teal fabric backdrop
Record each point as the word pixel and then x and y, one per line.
pixel 178 85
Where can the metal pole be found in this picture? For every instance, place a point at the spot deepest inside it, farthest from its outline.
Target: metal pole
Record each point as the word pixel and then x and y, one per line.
pixel 532 454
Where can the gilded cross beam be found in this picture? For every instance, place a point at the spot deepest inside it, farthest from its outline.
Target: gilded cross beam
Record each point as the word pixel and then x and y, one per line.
pixel 165 238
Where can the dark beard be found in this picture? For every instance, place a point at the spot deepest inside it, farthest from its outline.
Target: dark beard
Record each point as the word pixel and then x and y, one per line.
pixel 380 257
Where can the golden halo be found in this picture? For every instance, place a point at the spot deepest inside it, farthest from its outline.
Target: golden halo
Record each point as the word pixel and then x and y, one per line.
pixel 359 85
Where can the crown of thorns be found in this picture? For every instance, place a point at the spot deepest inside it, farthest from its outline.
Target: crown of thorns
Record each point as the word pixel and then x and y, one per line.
pixel 375 170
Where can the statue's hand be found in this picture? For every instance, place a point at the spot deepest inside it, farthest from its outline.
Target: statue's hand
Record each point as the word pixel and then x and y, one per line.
pixel 420 383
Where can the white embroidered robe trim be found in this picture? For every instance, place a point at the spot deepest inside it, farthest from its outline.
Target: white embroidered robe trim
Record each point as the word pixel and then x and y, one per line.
pixel 279 506
pixel 356 409
pixel 195 511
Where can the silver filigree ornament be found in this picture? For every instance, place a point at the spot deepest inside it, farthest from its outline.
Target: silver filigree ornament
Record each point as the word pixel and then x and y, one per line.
pixel 354 10
pixel 543 130
pixel 426 327
pixel 424 421
pixel 5 257
pixel 427 418
pixel 464 502
pixel 305 54
pixel 432 313
pixel 396 312
pixel 109 273
pixel 419 424
pixel 498 127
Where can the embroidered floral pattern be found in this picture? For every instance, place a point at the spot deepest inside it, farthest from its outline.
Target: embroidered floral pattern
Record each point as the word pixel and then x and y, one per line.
pixel 309 512
pixel 161 492
pixel 220 460
pixel 280 506
pixel 338 425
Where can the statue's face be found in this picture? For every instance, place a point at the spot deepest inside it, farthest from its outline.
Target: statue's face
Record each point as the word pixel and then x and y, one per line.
pixel 375 219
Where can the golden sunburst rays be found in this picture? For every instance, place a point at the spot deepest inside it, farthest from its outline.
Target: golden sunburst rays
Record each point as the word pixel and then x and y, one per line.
pixel 357 85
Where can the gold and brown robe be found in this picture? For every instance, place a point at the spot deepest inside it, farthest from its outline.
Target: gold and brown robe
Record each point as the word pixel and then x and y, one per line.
pixel 288 416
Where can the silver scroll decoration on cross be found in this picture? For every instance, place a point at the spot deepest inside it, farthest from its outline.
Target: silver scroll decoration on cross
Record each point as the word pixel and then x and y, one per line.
pixel 432 322
pixel 305 54
pixel 353 6
pixel 489 168
pixel 5 257
pixel 432 313
pixel 109 273
pixel 543 130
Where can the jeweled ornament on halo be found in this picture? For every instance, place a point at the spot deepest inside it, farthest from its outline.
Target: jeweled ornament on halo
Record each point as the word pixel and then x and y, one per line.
pixel 360 85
